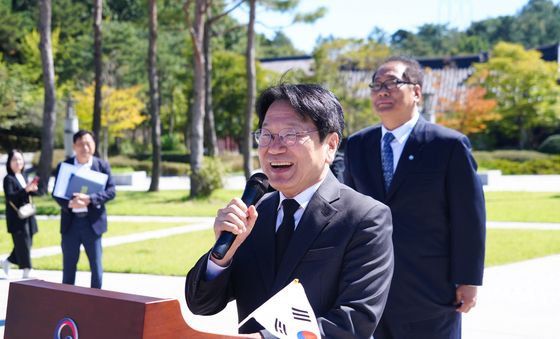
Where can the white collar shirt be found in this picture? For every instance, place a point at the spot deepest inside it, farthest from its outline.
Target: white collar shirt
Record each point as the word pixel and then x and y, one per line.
pixel 401 135
pixel 303 200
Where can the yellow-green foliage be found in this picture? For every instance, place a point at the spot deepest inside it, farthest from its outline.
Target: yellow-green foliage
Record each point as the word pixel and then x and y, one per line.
pixel 121 109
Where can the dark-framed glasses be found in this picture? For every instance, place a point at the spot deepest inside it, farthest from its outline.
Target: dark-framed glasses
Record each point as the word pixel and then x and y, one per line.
pixel 389 84
pixel 288 136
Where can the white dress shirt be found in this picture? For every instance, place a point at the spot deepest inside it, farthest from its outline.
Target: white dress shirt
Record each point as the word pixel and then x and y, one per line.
pixel 213 270
pixel 401 135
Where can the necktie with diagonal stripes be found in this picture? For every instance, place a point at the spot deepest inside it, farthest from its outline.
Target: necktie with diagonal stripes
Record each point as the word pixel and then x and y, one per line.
pixel 387 159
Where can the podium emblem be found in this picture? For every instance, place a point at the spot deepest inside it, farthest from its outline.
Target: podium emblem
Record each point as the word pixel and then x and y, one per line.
pixel 66 322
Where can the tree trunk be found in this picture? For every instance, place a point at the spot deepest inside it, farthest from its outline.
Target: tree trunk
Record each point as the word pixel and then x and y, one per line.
pixel 247 143
pixel 210 138
pixel 49 108
pixel 197 118
pixel 154 98
pixel 98 64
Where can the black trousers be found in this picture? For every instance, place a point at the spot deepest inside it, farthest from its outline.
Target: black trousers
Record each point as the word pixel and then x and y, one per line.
pixel 23 240
pixel 444 326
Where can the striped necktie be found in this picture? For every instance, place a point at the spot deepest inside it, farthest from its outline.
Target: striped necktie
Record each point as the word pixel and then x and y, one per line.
pixel 387 159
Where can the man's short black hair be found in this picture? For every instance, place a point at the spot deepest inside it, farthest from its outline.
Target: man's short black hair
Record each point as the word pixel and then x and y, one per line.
pixel 311 101
pixel 80 134
pixel 413 71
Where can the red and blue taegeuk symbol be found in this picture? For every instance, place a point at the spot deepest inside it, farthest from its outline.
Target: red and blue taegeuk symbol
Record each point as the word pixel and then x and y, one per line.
pixel 66 322
pixel 306 335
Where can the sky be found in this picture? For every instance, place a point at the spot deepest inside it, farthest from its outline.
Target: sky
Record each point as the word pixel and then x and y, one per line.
pixel 357 18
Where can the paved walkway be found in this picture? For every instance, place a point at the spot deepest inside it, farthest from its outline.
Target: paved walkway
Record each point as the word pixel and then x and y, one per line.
pixel 517 301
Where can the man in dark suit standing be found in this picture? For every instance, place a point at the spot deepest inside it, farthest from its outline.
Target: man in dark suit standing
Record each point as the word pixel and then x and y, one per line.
pixel 338 243
pixel 83 219
pixel 426 174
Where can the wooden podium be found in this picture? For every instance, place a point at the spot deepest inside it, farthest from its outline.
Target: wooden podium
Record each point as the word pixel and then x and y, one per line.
pixel 40 309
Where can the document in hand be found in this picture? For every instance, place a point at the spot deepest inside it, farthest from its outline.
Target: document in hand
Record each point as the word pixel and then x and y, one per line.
pixel 79 183
pixel 66 174
pixel 287 314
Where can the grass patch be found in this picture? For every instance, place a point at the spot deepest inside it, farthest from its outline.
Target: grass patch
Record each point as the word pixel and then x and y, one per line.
pixel 504 246
pixel 523 206
pixel 49 232
pixel 169 203
pixel 173 255
pixel 500 206
pixel 163 203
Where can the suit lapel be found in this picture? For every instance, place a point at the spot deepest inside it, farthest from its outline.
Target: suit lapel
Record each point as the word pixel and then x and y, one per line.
pixel 264 238
pixel 316 216
pixel 95 166
pixel 409 157
pixel 373 160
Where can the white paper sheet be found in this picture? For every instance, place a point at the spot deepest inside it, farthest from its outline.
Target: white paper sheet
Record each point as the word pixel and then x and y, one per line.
pixel 65 172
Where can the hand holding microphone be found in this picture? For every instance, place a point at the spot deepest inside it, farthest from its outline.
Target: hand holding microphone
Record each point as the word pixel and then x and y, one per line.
pixel 234 215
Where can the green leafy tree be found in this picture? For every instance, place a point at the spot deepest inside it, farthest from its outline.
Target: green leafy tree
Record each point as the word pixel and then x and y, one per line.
pixel 338 62
pixel 122 111
pixel 281 6
pixel 525 88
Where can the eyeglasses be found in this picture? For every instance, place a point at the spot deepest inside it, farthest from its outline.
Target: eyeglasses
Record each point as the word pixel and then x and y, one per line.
pixel 389 84
pixel 288 136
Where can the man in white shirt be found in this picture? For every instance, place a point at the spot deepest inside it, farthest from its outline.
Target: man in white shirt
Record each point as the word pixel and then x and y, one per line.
pixel 83 219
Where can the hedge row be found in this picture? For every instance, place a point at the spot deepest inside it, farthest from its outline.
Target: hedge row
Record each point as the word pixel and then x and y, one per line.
pixel 167 168
pixel 519 162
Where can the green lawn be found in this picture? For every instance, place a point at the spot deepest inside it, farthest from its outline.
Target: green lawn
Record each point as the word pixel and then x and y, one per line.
pixel 173 255
pixel 523 206
pixel 177 254
pixel 500 206
pixel 505 246
pixel 163 203
pixel 49 232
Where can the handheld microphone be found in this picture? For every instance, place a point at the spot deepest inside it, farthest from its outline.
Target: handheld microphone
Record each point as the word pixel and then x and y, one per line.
pixel 255 188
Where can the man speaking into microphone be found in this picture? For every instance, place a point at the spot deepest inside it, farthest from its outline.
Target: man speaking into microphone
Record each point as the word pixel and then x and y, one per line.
pixel 336 241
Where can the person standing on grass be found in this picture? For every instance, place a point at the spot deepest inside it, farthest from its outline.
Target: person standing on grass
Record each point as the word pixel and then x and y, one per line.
pixel 18 193
pixel 83 219
pixel 426 174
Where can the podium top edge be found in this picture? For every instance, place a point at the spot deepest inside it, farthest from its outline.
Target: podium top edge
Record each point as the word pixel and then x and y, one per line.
pixel 37 283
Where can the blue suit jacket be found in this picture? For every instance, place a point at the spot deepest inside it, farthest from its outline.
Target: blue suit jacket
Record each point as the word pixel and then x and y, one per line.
pixel 97 215
pixel 340 251
pixel 437 204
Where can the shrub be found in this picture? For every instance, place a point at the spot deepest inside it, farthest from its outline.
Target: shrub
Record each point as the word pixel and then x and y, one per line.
pixel 172 143
pixel 548 165
pixel 210 177
pixel 551 145
pixel 174 169
pixel 171 156
pixel 167 168
pixel 511 155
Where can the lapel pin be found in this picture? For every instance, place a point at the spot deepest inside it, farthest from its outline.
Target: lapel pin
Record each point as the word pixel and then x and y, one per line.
pixel 411 157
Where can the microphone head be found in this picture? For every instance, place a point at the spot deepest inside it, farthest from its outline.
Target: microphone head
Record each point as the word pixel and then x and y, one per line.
pixel 261 178
pixel 256 187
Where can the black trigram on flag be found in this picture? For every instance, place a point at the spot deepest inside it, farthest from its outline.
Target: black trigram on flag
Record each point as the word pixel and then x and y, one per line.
pixel 280 327
pixel 300 314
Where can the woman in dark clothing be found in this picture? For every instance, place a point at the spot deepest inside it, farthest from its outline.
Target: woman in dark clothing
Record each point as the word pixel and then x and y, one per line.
pixel 17 192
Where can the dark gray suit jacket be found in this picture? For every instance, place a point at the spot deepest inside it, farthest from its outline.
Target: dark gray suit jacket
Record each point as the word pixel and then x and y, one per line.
pixel 341 252
pixel 437 204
